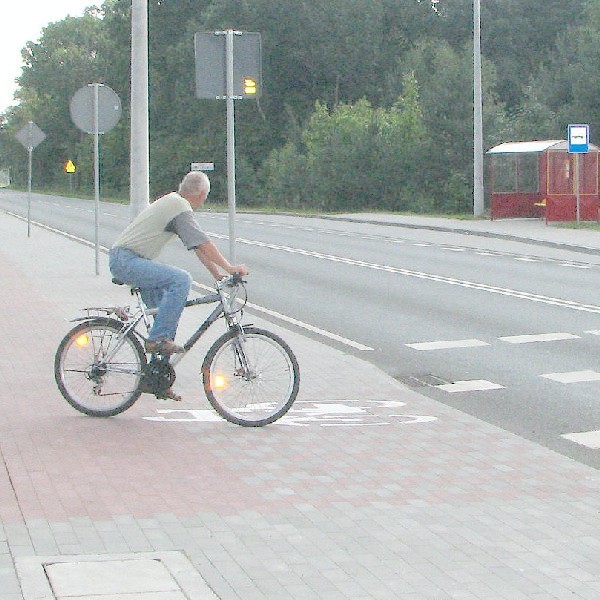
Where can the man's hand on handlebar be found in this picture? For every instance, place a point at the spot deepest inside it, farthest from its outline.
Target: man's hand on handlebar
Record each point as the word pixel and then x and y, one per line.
pixel 239 270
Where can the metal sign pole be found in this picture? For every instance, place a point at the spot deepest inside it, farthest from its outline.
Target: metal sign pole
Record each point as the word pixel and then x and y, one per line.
pixel 30 135
pixel 230 143
pixel 578 137
pixel 95 109
pixel 577 194
pixel 96 177
pixel 29 161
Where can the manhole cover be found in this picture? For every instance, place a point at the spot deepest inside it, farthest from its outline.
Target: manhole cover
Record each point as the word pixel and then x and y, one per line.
pixel 425 380
pixel 146 574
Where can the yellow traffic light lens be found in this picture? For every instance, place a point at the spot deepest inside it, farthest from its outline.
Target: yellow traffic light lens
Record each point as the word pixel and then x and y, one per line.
pixel 82 340
pixel 219 382
pixel 249 86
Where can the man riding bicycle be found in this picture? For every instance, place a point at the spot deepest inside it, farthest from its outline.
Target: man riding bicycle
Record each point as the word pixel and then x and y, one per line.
pixel 164 286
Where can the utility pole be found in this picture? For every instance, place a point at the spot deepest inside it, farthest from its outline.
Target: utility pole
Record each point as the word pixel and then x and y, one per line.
pixel 478 197
pixel 139 193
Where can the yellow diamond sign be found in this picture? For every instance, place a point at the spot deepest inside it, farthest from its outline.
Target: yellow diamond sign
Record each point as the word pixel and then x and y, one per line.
pixel 70 167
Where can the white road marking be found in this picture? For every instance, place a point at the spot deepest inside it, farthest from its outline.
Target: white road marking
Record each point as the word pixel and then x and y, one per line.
pixel 540 337
pixel 305 413
pixel 312 328
pixel 575 265
pixel 285 318
pixel 445 344
pixel 573 376
pixel 591 439
pixel 474 385
pixel 418 274
pixel 297 323
pixel 61 232
pixel 571 304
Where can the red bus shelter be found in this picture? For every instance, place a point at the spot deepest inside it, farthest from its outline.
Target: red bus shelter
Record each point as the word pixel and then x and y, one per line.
pixel 537 179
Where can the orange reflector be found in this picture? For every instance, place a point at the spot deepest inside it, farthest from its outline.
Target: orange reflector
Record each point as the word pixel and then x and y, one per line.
pixel 82 340
pixel 219 381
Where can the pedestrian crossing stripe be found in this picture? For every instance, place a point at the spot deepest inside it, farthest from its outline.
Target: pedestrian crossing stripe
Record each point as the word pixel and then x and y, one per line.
pixel 573 376
pixel 591 439
pixel 446 344
pixel 474 385
pixel 541 337
pixel 511 339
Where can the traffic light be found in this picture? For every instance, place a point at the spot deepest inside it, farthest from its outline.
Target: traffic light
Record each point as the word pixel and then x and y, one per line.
pixel 249 86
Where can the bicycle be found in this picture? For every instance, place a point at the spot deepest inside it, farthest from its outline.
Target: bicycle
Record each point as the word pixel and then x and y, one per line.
pixel 250 375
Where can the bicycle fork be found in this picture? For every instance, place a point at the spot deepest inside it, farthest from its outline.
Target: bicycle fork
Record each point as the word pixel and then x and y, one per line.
pixel 241 357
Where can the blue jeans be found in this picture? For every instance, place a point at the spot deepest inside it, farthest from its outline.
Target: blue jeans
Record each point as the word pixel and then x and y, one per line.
pixel 161 286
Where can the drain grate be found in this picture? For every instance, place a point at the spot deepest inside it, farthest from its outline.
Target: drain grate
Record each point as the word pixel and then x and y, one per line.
pixel 420 381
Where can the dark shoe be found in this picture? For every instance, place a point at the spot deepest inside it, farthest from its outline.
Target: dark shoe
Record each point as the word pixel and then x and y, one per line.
pixel 170 394
pixel 163 347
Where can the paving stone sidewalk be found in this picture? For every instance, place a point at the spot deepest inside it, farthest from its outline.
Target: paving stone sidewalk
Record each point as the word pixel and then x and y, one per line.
pixel 366 491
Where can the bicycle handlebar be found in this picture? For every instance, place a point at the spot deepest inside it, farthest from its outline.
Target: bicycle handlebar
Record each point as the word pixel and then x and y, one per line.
pixel 235 279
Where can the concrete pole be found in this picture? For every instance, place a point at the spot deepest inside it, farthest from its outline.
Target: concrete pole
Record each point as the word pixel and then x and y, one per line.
pixel 139 193
pixel 478 196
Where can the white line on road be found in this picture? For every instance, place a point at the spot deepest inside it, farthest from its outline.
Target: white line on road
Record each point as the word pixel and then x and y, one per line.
pixel 285 318
pixel 322 332
pixel 573 305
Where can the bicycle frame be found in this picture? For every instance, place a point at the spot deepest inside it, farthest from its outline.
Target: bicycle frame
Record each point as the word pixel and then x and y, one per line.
pixel 142 314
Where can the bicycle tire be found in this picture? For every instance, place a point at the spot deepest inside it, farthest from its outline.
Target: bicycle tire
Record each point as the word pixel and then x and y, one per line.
pixel 263 397
pixel 86 381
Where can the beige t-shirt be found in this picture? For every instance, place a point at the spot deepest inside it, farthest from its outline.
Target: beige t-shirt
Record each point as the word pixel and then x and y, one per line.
pixel 150 231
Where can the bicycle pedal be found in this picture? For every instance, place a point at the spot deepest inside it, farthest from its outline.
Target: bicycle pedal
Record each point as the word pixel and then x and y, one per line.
pixel 170 395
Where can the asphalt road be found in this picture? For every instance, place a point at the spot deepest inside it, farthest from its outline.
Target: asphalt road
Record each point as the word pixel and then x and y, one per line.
pixel 502 330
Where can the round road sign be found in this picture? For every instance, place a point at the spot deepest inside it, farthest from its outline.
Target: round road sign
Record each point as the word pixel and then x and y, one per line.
pixel 83 105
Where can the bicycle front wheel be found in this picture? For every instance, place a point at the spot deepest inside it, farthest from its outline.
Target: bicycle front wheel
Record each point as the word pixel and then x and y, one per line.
pixel 97 369
pixel 251 379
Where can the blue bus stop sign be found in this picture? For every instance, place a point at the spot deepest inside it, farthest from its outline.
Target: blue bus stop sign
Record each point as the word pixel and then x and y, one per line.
pixel 579 138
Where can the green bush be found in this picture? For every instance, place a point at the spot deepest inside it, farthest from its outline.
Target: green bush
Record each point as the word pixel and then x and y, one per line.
pixel 355 157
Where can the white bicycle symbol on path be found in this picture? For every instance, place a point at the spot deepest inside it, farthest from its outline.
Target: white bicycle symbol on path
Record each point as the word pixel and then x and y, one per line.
pixel 323 414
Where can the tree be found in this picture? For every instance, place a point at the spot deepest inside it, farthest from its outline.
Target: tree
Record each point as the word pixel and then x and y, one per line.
pixel 355 156
pixel 569 85
pixel 517 35
pixel 348 58
pixel 64 59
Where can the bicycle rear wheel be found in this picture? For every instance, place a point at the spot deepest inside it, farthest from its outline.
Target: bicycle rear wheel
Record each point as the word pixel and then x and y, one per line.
pixel 97 370
pixel 251 379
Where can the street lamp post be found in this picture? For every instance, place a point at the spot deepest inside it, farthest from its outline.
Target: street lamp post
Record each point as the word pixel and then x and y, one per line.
pixel 139 193
pixel 478 197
